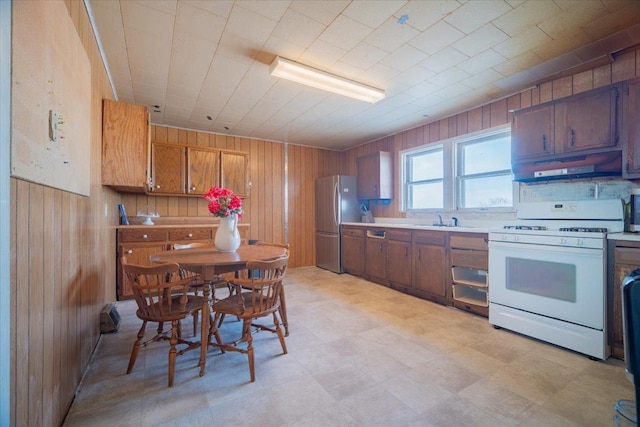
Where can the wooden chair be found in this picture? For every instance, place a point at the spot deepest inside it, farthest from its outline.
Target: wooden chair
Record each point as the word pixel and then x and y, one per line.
pixel 253 298
pixel 162 297
pixel 283 300
pixel 196 280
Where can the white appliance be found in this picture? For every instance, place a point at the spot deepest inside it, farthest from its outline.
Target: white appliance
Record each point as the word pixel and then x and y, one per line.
pixel 547 273
pixel 336 202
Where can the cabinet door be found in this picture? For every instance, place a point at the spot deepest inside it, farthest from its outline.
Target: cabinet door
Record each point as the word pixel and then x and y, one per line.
pixel 631 126
pixel 353 254
pixel 203 170
pixel 587 121
pixel 375 258
pixel 136 254
pixel 125 146
pixel 626 260
pixel 168 166
pixel 233 169
pixel 532 133
pixel 399 262
pixel 430 271
pixel 375 176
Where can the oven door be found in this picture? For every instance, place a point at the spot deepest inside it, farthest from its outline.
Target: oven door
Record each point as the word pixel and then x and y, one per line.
pixel 559 282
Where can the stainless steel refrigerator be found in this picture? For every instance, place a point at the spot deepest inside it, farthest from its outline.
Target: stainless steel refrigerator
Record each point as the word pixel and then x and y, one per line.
pixel 336 202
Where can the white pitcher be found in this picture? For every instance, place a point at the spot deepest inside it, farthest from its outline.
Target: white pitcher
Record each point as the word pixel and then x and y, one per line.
pixel 227 236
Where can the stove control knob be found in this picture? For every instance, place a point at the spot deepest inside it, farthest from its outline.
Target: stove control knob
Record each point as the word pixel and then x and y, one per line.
pixel 579 242
pixel 563 241
pixel 503 237
pixel 516 238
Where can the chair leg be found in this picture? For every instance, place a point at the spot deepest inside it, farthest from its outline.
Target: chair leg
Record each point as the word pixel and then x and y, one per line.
pixel 173 341
pixel 195 315
pixel 283 312
pixel 249 337
pixel 280 336
pixel 136 347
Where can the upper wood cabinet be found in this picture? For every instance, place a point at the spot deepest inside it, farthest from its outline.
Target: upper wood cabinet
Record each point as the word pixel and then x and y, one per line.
pixel 182 170
pixel 233 171
pixel 589 121
pixel 203 170
pixel 532 132
pixel 125 146
pixel 631 126
pixel 167 168
pixel 375 176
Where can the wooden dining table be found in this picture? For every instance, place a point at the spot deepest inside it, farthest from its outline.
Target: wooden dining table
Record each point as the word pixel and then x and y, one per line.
pixel 210 263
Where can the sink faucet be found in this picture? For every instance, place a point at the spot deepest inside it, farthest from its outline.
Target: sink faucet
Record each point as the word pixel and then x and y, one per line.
pixel 455 221
pixel 439 219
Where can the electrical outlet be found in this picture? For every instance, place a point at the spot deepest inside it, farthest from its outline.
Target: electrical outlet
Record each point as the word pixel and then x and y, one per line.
pixel 55 126
pixel 106 209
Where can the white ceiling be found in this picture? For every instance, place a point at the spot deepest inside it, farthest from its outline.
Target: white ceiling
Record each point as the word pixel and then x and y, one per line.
pixel 199 59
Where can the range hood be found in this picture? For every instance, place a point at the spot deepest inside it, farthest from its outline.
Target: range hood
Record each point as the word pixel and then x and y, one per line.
pixel 586 166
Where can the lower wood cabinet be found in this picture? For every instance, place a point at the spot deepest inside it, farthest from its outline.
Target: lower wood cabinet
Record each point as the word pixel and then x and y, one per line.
pixel 430 266
pixel 446 267
pixel 137 243
pixel 353 250
pixel 399 259
pixel 375 256
pixel 626 258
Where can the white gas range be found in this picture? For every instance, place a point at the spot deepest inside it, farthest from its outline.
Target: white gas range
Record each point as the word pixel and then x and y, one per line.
pixel 547 273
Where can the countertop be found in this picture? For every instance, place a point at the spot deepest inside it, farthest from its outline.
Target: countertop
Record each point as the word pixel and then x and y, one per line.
pixel 632 237
pixel 418 227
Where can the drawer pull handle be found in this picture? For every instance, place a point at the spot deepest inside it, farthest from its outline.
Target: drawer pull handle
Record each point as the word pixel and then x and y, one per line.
pixel 144 236
pixel 130 251
pixel 158 187
pixel 193 188
pixel 190 235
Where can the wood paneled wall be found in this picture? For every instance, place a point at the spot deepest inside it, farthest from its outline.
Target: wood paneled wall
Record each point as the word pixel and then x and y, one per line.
pixel 625 66
pixel 280 206
pixel 62 268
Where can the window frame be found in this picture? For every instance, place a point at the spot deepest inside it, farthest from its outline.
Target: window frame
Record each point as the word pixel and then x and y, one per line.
pixel 405 158
pixel 451 182
pixel 477 138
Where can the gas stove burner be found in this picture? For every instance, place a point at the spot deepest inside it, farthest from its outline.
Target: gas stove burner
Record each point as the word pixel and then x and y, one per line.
pixel 525 227
pixel 585 229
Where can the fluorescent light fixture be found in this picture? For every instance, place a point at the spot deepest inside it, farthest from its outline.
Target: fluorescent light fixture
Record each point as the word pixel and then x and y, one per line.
pixel 289 70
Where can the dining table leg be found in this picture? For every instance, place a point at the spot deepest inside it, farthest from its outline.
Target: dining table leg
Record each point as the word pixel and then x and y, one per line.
pixel 204 331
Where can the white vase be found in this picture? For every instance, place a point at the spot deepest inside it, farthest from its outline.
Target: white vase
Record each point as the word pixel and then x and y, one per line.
pixel 227 236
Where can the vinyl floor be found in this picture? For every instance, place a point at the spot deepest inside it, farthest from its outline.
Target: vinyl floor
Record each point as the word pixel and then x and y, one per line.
pixel 359 354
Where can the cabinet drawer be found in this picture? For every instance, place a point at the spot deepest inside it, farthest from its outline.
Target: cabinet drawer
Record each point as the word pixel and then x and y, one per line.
pixel 629 256
pixel 438 238
pixel 467 258
pixel 200 234
pixel 143 235
pixel 469 242
pixel 400 235
pixel 355 232
pixel 471 295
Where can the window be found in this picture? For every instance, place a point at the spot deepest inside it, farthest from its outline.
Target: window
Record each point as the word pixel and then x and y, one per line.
pixel 424 179
pixel 471 172
pixel 484 171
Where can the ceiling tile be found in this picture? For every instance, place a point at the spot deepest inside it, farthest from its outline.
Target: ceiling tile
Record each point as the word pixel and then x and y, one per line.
pixel 445 58
pixel 325 12
pixel 475 14
pixel 481 62
pixel 345 32
pixel 321 54
pixel 404 58
pixel 480 40
pixel 297 28
pixel 527 15
pixel 391 35
pixel 482 78
pixel 572 19
pixel 272 9
pixel 364 55
pixel 436 37
pixel 423 14
pixel 372 13
pixel 453 75
pixel 221 8
pixel 527 40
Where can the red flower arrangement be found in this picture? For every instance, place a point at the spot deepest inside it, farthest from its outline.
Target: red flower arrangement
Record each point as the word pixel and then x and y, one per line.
pixel 222 202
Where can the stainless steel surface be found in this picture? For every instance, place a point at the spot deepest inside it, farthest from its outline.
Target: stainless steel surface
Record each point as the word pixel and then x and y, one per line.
pixel 336 202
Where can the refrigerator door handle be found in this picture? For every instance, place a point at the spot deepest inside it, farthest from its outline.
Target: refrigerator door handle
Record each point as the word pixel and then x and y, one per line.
pixel 335 203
